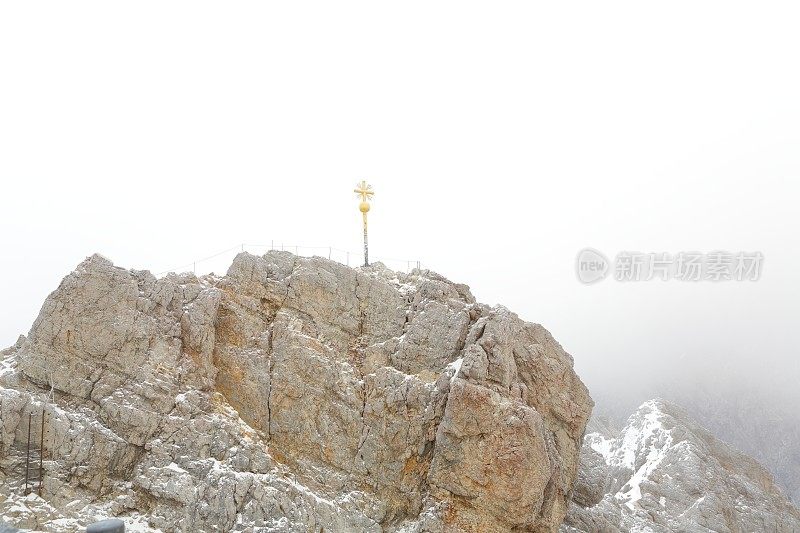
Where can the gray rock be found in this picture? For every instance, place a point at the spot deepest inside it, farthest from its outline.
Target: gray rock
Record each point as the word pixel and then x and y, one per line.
pixel 7 529
pixel 291 395
pixel 111 525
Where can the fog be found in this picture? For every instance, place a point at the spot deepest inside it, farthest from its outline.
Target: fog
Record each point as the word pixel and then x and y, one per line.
pixel 499 142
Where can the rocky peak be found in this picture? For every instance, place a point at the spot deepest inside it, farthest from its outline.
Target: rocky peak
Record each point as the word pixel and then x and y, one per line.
pixel 665 472
pixel 291 394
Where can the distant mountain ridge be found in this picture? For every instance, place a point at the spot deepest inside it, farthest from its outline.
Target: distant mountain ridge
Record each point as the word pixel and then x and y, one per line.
pixel 664 472
pixel 761 420
pixel 766 428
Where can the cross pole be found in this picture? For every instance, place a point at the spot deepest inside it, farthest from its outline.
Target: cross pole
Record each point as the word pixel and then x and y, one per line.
pixel 365 192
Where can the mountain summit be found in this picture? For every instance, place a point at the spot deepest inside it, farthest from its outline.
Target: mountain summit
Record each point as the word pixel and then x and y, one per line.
pixel 291 394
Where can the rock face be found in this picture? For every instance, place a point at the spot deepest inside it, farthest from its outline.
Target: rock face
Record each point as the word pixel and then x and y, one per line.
pixel 737 417
pixel 732 406
pixel 291 394
pixel 663 472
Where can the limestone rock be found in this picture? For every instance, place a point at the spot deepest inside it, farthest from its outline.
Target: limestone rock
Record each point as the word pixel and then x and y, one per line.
pixel 291 394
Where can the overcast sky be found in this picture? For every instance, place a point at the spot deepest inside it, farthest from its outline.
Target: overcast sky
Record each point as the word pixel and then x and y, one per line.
pixel 500 141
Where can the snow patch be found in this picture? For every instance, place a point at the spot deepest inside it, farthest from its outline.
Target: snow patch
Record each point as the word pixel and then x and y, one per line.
pixel 455 366
pixel 7 365
pixel 602 445
pixel 644 433
pixel 175 468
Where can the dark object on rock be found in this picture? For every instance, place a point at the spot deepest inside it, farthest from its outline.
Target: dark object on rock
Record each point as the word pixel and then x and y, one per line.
pixel 112 525
pixel 7 529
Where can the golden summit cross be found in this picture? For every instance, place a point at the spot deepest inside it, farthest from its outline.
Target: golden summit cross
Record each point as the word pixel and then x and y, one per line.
pixel 364 190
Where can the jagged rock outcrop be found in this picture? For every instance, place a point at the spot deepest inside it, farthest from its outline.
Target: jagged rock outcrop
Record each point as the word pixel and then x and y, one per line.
pixel 734 412
pixel 664 472
pixel 731 404
pixel 291 394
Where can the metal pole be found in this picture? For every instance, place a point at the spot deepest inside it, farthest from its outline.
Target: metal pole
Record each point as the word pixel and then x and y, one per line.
pixel 366 248
pixel 28 453
pixel 329 252
pixel 365 192
pixel 41 456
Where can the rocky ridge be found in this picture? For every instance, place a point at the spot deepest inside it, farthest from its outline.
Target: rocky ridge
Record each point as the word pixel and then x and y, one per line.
pixel 737 417
pixel 291 394
pixel 664 472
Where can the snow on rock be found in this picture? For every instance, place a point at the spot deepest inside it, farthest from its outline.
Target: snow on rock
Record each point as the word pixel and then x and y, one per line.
pixel 664 472
pixel 644 437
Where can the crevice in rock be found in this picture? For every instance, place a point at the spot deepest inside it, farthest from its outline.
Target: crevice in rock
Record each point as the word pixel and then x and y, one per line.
pixel 271 363
pixel 365 429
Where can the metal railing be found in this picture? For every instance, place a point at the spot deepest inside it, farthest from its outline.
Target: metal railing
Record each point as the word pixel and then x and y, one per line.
pixel 345 257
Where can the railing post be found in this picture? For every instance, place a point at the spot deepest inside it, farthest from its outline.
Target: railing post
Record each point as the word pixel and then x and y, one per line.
pixel 28 454
pixel 41 456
